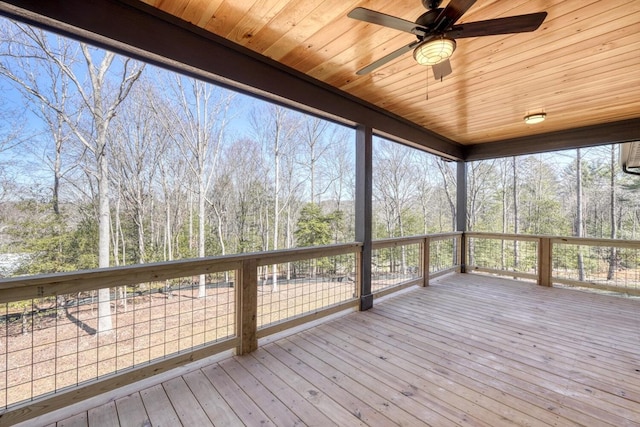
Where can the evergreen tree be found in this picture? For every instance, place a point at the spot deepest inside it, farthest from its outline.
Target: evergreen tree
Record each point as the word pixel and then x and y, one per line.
pixel 313 227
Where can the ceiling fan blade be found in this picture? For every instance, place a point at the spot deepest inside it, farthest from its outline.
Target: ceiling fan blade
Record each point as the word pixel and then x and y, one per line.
pixel 442 69
pixel 450 14
pixel 490 27
pixel 393 55
pixel 385 20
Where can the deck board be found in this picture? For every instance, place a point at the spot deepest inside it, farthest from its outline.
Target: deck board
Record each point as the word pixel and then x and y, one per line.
pixel 210 399
pixel 185 403
pixel 242 405
pixel 467 350
pixel 131 411
pixel 158 406
pixel 105 415
pixel 79 420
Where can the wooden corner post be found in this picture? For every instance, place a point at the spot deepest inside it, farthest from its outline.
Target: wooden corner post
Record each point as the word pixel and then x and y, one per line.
pixel 426 243
pixel 247 307
pixel 461 212
pixel 544 261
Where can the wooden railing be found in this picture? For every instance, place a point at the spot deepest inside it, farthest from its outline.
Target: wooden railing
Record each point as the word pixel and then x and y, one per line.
pixel 159 322
pixel 402 261
pixel 51 346
pixel 603 264
pixel 55 355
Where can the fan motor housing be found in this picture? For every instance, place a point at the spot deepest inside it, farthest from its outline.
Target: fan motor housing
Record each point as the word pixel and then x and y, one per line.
pixel 431 4
pixel 428 18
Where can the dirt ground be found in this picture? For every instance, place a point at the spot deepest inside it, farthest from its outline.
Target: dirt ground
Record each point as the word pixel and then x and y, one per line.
pixel 52 348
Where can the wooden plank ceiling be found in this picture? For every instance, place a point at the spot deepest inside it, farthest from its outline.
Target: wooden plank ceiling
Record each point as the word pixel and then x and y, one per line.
pixel 581 67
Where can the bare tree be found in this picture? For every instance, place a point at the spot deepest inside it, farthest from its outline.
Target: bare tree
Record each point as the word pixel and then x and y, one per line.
pixel 613 223
pixel 449 186
pixel 98 98
pixel 394 182
pixel 313 134
pixel 516 219
pixel 395 187
pixel 275 129
pixel 341 175
pixel 197 123
pixel 426 190
pixel 26 65
pixel 136 151
pixel 173 175
pixel 247 194
pixel 579 225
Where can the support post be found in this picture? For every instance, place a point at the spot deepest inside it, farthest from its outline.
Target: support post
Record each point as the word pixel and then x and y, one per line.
pixel 544 261
pixel 363 208
pixel 461 253
pixel 426 243
pixel 247 307
pixel 461 212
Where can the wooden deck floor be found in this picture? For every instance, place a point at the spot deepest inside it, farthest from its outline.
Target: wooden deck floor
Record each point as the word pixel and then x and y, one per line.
pixel 468 350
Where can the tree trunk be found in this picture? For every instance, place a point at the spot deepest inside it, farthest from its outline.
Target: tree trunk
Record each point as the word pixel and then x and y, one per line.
pixel 579 213
pixel 516 228
pixel 276 202
pixel 202 290
pixel 612 214
pixel 104 295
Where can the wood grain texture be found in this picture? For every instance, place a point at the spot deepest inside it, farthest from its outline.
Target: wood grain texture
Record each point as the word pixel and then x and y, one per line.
pixel 247 307
pixel 105 415
pixel 131 411
pixel 158 406
pixel 581 66
pixel 468 349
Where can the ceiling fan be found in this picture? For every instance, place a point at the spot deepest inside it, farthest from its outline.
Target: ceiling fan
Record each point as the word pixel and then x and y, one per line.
pixel 436 32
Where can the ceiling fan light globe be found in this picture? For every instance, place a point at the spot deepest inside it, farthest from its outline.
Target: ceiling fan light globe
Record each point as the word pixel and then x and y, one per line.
pixel 434 51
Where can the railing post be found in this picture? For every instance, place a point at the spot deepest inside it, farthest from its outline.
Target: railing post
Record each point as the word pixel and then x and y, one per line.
pixel 247 307
pixel 426 245
pixel 544 261
pixel 462 252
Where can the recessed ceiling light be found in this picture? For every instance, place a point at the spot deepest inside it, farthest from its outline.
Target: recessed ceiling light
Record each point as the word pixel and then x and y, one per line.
pixel 532 119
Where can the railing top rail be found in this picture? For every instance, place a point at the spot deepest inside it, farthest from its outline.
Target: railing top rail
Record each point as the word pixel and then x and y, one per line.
pixel 418 237
pixel 297 254
pixel 587 241
pixel 378 243
pixel 396 241
pixel 17 288
pixel 444 236
pixel 504 236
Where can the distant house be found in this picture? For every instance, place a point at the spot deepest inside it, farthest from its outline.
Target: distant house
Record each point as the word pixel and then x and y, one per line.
pixel 10 263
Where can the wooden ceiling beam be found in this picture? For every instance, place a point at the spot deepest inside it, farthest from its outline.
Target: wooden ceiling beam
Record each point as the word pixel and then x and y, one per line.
pixel 135 29
pixel 588 136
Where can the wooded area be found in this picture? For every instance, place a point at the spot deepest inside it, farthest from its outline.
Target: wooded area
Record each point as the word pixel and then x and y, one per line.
pixel 108 161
